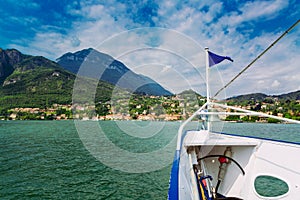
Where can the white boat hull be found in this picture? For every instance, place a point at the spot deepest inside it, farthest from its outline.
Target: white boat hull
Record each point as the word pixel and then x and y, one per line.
pixel 256 157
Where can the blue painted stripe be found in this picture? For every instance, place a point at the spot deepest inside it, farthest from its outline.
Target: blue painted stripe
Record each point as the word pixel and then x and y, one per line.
pixel 260 138
pixel 173 187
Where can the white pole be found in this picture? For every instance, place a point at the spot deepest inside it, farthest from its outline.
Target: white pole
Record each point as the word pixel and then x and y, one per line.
pixel 207 73
pixel 182 126
pixel 207 84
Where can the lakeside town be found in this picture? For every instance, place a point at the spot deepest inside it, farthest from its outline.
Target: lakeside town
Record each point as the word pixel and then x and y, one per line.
pixel 159 108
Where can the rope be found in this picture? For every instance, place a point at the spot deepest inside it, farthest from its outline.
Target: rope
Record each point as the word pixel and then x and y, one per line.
pixel 286 32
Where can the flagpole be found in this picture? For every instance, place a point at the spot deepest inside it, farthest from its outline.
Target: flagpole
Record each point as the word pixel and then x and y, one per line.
pixel 207 71
pixel 207 82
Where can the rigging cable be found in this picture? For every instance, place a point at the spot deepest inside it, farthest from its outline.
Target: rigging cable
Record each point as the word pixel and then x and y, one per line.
pixel 286 32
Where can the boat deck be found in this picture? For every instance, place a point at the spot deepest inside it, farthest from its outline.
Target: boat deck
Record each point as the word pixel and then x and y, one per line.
pixel 203 138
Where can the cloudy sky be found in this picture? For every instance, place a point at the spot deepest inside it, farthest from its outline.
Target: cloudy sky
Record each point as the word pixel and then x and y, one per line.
pixel 165 39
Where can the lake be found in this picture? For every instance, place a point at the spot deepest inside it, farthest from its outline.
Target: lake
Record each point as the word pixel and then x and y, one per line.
pixel 99 160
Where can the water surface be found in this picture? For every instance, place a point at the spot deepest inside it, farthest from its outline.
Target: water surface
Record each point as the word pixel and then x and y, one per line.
pixel 47 159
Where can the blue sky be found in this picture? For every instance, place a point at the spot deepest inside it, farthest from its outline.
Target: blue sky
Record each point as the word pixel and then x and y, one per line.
pixel 239 29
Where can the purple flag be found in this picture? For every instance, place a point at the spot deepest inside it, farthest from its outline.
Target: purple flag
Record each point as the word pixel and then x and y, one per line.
pixel 215 59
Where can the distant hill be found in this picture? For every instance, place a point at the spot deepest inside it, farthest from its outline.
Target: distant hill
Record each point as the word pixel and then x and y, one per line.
pixel 34 81
pixel 110 70
pixel 248 97
pixel 290 96
pixel 261 97
pixel 189 93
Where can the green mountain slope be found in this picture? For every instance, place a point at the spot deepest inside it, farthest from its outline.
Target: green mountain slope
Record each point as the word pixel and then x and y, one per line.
pixel 8 60
pixel 290 96
pixel 38 82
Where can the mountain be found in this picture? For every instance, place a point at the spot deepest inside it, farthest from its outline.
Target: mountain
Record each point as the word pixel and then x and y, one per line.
pixel 290 96
pixel 95 64
pixel 260 97
pixel 34 81
pixel 8 60
pixel 248 97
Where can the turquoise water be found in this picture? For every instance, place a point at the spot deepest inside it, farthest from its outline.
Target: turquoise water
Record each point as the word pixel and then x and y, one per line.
pixel 284 132
pixel 48 160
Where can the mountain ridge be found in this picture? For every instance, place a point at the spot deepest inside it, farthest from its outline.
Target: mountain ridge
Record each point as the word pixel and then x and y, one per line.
pixel 26 77
pixel 35 81
pixel 8 60
pixel 261 96
pixel 93 63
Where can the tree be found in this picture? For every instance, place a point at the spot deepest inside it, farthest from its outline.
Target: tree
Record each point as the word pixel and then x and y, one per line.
pixel 102 109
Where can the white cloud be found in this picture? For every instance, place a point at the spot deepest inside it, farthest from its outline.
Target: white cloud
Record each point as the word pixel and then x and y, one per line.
pixel 47 44
pixel 255 10
pixel 212 27
pixel 187 19
pixel 259 9
pixel 275 84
